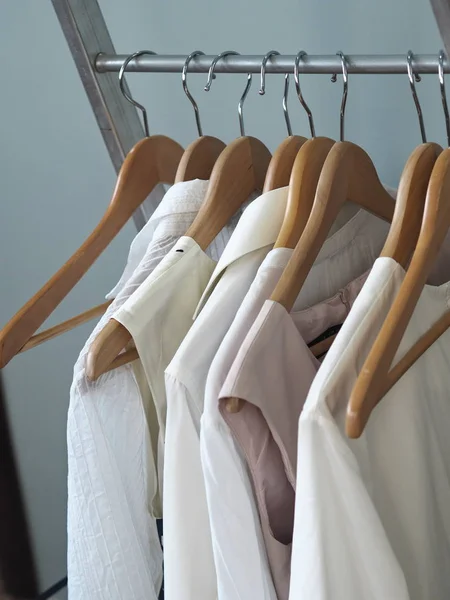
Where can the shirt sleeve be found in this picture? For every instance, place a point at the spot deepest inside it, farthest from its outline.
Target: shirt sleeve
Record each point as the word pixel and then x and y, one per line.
pixel 188 557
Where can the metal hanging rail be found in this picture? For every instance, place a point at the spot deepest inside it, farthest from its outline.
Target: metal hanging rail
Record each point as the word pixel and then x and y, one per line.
pixel 90 43
pixel 382 64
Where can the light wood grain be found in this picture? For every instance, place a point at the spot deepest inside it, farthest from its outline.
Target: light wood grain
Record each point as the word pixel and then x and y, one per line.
pixel 348 173
pixel 106 347
pixel 303 182
pixel 153 160
pixel 124 358
pixel 199 159
pixel 240 170
pixel 65 326
pixel 409 206
pixel 282 161
pixel 375 379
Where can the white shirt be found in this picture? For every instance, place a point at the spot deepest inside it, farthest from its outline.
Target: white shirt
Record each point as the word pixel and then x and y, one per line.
pixel 372 516
pixel 240 555
pixel 187 535
pixel 113 546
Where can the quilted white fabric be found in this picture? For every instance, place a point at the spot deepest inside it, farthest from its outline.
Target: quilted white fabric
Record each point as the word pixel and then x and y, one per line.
pixel 113 547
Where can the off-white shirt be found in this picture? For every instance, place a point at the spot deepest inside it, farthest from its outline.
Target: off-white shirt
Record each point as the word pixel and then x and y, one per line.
pixel 187 535
pixel 171 219
pixel 240 555
pixel 113 546
pixel 372 515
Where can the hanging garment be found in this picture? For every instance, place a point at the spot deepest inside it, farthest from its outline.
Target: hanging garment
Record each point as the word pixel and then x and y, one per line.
pixel 239 551
pixel 372 515
pixel 188 556
pixel 167 223
pixel 159 314
pixel 113 546
pixel 265 429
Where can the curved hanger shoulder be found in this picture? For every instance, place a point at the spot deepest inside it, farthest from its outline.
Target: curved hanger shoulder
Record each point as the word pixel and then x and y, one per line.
pixel 409 205
pixel 108 344
pixel 240 170
pixel 302 189
pixel 280 167
pixel 199 159
pixel 374 379
pixel 347 174
pixel 151 161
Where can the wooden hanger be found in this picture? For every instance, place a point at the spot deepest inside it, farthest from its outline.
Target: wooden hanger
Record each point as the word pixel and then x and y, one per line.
pixel 347 174
pixel 302 189
pixel 199 159
pixel 407 218
pixel 153 160
pixel 200 156
pixel 240 170
pixel 280 167
pixel 376 378
pixel 409 205
pixel 303 182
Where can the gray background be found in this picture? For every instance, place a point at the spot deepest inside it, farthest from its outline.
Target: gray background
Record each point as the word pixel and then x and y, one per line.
pixel 56 178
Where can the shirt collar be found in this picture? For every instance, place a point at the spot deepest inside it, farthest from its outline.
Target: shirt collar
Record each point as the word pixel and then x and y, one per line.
pixel 257 228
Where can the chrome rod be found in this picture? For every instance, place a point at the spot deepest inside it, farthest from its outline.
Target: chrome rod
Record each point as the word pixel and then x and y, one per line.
pixel 382 64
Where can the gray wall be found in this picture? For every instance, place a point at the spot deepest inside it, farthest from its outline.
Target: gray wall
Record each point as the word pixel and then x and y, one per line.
pixel 56 177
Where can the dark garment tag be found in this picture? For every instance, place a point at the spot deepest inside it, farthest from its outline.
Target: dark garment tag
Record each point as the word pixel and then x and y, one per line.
pixel 326 334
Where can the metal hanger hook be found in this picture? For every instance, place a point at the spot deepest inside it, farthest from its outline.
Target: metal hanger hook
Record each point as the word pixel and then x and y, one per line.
pixel 298 58
pixel 443 93
pixel 344 93
pixel 126 93
pixel 412 84
pixel 241 103
pixel 262 89
pixel 186 89
pixel 212 76
pixel 285 106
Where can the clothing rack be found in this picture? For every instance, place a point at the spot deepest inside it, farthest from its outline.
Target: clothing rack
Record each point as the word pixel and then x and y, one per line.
pixel 376 64
pixel 97 62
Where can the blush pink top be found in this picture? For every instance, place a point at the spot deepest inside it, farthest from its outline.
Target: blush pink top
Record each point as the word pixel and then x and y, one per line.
pixel 272 374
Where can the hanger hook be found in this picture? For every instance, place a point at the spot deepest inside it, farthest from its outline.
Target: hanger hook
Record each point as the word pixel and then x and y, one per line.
pixel 262 89
pixel 241 103
pixel 412 80
pixel 443 93
pixel 126 93
pixel 299 57
pixel 344 93
pixel 186 90
pixel 285 106
pixel 212 76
